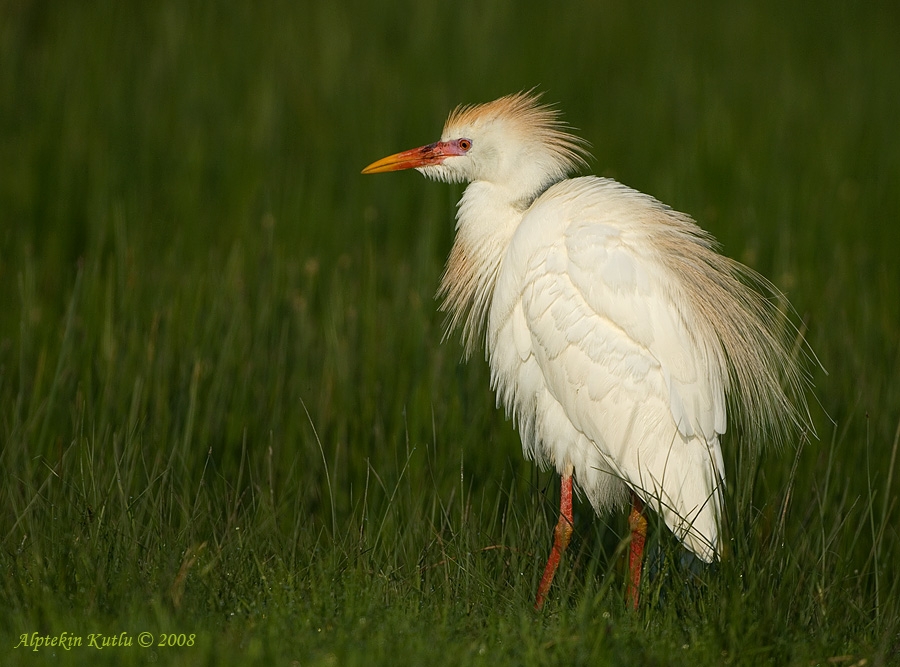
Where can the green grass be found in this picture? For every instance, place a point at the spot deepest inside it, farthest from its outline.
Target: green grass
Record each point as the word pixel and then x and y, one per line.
pixel 224 406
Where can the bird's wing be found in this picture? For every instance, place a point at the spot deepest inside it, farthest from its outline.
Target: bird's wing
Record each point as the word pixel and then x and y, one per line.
pixel 597 285
pixel 612 334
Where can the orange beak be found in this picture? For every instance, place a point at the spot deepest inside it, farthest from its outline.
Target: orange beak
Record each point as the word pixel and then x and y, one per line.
pixel 424 156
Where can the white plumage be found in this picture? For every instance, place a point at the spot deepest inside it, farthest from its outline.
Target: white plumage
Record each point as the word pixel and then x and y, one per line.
pixel 589 349
pixel 613 329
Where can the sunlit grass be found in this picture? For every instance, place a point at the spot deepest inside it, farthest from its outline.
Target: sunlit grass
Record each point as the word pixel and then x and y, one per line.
pixel 224 405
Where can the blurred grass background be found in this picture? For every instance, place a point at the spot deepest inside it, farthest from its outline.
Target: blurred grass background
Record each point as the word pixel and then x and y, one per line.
pixel 224 408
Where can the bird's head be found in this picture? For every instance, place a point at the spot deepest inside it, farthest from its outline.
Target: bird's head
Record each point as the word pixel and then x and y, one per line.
pixel 514 142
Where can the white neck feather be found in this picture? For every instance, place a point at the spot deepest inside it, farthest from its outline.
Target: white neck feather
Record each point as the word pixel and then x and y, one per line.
pixel 487 218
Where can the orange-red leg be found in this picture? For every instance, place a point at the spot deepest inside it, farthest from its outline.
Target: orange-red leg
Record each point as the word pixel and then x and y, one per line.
pixel 638 524
pixel 561 537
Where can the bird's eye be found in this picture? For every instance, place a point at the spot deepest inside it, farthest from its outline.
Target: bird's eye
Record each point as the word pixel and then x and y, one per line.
pixel 464 144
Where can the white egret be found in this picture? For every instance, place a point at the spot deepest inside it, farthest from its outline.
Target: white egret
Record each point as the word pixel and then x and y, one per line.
pixel 617 336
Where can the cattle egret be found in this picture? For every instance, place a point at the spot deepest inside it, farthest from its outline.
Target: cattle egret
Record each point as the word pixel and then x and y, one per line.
pixel 617 336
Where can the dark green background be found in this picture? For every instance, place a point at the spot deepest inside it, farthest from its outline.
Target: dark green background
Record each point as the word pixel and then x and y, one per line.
pixel 224 405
